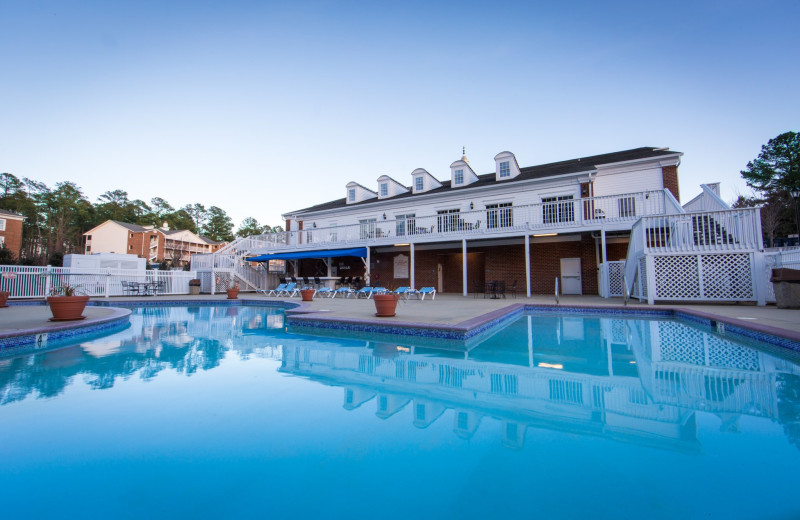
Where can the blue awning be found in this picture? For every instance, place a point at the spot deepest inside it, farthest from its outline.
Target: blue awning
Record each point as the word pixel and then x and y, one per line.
pixel 329 253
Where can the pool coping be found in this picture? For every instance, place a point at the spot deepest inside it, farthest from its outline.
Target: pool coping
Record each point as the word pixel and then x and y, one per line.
pixel 302 316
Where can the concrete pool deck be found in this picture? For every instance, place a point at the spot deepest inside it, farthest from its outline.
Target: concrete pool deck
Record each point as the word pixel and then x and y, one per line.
pixel 446 310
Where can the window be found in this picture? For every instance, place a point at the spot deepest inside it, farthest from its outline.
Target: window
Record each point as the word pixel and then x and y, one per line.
pixel 448 220
pixel 499 215
pixel 2 224
pixel 419 184
pixel 88 248
pixel 504 169
pixel 277 266
pixel 557 209
pixel 351 195
pixel 406 224
pixel 367 228
pixel 130 248
pixel 131 235
pixel 458 178
pixel 627 207
pixel 384 189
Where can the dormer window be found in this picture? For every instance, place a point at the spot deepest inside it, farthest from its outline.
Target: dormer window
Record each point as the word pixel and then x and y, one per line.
pixel 384 189
pixel 458 177
pixel 351 195
pixel 419 184
pixel 505 171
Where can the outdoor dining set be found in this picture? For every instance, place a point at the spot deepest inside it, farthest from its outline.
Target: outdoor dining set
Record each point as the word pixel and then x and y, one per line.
pixel 143 288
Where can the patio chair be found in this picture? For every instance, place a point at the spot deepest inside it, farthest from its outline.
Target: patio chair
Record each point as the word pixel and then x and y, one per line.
pixel 282 280
pixel 340 281
pixel 513 289
pixel 325 291
pixel 276 291
pixel 357 282
pixel 307 283
pixel 129 288
pixel 348 281
pixel 478 288
pixel 378 290
pixel 317 282
pixel 426 291
pixel 290 290
pixel 344 291
pixel 366 292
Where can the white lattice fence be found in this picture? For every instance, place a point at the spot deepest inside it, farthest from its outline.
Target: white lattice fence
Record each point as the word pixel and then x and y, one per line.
pixel 704 277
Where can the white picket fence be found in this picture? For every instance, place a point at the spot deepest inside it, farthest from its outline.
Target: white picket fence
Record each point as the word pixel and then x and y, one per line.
pixel 39 282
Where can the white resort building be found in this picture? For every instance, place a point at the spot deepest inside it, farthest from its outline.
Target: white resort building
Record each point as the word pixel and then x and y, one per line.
pixel 581 226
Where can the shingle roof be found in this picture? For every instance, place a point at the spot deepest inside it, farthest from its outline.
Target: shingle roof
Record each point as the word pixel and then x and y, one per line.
pixel 572 166
pixel 132 227
pixel 7 213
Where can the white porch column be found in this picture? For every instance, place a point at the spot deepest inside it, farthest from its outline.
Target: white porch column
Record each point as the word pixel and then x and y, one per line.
pixel 603 245
pixel 528 264
pixel 464 265
pixel 366 271
pixel 411 273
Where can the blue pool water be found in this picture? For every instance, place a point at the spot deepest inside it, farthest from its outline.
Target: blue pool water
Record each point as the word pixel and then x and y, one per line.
pixel 212 412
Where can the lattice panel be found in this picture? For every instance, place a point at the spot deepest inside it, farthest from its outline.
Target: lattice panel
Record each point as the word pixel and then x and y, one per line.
pixel 727 277
pixel 681 343
pixel 724 354
pixel 615 272
pixel 676 277
pixel 643 276
pixel 619 331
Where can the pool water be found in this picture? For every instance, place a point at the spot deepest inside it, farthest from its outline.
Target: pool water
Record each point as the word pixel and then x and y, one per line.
pixel 208 412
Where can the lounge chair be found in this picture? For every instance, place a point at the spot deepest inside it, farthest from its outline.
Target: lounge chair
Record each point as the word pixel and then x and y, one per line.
pixel 426 291
pixel 379 290
pixel 344 291
pixel 290 290
pixel 325 291
pixel 403 291
pixel 365 292
pixel 276 291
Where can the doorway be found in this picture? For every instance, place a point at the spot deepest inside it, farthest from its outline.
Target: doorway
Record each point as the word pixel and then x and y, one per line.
pixel 571 282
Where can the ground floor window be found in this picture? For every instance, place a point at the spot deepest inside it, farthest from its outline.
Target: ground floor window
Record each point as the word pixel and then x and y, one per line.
pixel 499 215
pixel 558 209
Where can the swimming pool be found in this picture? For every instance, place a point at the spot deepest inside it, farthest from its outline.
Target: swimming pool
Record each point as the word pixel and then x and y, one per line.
pixel 221 412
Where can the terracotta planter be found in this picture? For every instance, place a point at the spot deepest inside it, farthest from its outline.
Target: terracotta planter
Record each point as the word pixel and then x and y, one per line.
pixel 385 304
pixel 4 298
pixel 307 294
pixel 66 308
pixel 233 293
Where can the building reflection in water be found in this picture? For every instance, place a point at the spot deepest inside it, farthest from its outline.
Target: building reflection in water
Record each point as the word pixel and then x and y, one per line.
pixel 635 381
pixel 638 382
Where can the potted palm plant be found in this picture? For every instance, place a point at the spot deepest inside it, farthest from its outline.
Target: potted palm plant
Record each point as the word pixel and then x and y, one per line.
pixel 67 303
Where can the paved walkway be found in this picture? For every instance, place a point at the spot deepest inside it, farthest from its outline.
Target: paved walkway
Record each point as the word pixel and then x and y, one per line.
pixel 446 309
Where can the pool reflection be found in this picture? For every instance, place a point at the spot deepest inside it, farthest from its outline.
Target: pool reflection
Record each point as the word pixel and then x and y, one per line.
pixel 641 382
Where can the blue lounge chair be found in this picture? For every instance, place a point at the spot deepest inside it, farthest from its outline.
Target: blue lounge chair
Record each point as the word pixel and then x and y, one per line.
pixel 325 291
pixel 402 291
pixel 274 292
pixel 290 290
pixel 344 291
pixel 378 290
pixel 366 292
pixel 426 291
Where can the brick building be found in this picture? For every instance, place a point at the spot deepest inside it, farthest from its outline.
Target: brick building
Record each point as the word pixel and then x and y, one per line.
pixel 157 245
pixel 11 231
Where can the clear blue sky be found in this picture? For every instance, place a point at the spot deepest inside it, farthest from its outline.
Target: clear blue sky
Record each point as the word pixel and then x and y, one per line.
pixel 262 108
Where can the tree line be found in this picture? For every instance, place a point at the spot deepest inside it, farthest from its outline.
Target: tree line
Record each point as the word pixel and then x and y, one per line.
pixel 773 176
pixel 56 218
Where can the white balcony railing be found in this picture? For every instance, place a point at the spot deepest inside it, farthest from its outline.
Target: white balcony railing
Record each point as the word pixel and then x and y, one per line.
pixel 730 230
pixel 547 217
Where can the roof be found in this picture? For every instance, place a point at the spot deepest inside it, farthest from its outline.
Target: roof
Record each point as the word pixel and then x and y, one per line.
pixel 6 213
pixel 132 227
pixel 569 167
